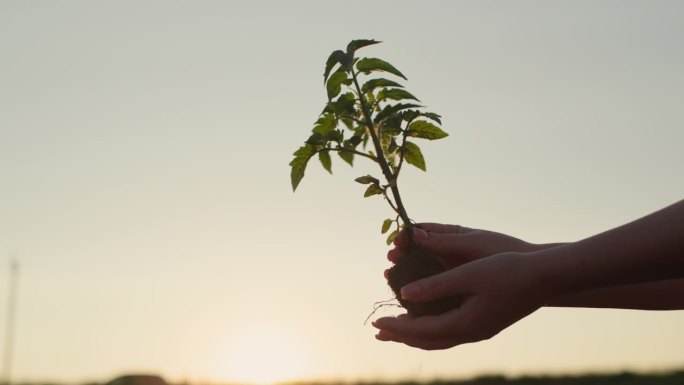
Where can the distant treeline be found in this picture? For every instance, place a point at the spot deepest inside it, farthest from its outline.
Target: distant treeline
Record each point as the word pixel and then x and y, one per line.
pixel 623 378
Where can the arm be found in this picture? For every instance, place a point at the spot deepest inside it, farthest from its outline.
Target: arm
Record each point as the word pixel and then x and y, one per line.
pixel 646 250
pixel 503 288
pixel 658 295
pixel 457 245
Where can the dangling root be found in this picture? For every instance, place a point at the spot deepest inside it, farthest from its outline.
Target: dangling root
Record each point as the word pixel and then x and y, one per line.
pixel 381 304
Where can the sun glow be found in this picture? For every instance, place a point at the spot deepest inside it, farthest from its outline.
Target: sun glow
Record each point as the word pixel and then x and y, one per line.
pixel 262 356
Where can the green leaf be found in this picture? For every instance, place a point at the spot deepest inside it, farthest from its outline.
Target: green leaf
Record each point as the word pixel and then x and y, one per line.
pixel 367 180
pixel 379 82
pixel 315 139
pixel 395 94
pixel 347 157
pixel 325 124
pixel 425 130
pixel 391 237
pixel 344 105
pixel 354 141
pixel 433 116
pixel 324 157
pixel 367 65
pixel 386 225
pixel 373 189
pixel 358 44
pixel 298 164
pixel 334 136
pixel 390 110
pixel 334 58
pixel 334 84
pixel 413 155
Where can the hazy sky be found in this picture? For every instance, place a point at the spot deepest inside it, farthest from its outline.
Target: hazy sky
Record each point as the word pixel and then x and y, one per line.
pixel 145 190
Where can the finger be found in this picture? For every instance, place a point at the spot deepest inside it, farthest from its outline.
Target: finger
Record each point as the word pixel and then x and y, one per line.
pixel 427 327
pixel 449 283
pixel 393 255
pixel 458 246
pixel 442 228
pixel 403 238
pixel 440 344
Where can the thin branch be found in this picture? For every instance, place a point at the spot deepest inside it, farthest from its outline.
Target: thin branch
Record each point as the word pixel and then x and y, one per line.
pixel 403 150
pixel 391 179
pixel 387 198
pixel 355 152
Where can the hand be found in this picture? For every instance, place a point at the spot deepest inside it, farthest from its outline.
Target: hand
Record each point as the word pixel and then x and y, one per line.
pixel 498 291
pixel 456 245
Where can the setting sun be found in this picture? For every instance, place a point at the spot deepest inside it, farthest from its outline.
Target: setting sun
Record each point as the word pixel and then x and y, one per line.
pixel 262 355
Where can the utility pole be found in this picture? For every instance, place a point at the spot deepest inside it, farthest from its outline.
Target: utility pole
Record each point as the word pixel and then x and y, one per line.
pixel 11 315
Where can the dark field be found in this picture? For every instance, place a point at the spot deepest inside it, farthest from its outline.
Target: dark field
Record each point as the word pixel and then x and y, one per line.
pixel 622 378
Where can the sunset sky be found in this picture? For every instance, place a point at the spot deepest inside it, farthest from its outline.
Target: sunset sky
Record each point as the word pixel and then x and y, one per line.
pixel 145 191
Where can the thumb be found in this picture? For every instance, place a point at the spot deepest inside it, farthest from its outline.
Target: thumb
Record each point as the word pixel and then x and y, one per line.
pixel 441 243
pixel 442 285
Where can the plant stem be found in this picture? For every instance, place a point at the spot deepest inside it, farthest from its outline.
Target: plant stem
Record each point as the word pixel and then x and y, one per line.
pixel 382 161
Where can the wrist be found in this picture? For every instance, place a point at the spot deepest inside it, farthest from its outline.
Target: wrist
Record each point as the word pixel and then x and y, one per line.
pixel 549 272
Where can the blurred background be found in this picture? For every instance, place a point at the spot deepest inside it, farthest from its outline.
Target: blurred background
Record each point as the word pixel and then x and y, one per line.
pixel 145 192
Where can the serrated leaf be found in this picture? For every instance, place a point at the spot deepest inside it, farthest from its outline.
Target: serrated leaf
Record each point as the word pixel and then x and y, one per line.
pixel 368 65
pixel 315 139
pixel 395 94
pixel 335 58
pixel 391 237
pixel 334 84
pixel 390 110
pixel 334 136
pixel 433 116
pixel 358 44
pixel 379 82
pixel 373 189
pixel 386 225
pixel 344 105
pixel 324 157
pixel 409 115
pixel 298 164
pixel 347 157
pixel 413 155
pixel 425 130
pixel 325 124
pixel 367 180
pixel 354 141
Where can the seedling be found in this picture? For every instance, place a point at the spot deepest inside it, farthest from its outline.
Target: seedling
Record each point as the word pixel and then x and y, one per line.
pixel 366 109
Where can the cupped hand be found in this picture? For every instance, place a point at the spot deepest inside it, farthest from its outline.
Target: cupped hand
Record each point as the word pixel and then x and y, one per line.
pixel 456 245
pixel 498 291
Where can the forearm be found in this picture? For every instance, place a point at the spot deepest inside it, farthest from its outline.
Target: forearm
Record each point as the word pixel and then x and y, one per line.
pixel 648 249
pixel 658 295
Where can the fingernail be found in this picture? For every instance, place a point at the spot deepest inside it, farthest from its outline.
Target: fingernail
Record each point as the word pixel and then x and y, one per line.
pixel 410 291
pixel 419 234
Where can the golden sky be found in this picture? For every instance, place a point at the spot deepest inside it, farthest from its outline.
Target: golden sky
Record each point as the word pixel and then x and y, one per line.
pixel 145 191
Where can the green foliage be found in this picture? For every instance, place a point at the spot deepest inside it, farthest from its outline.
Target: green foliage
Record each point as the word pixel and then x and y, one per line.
pixel 367 180
pixel 324 157
pixel 425 130
pixel 379 82
pixel 413 155
pixel 368 115
pixel 298 164
pixel 386 225
pixel 390 238
pixel 373 189
pixel 368 65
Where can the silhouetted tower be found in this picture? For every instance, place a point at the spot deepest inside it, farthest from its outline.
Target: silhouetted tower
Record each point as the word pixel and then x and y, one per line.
pixel 11 312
